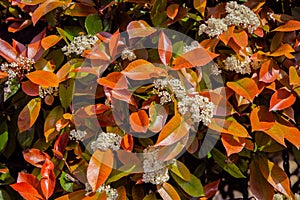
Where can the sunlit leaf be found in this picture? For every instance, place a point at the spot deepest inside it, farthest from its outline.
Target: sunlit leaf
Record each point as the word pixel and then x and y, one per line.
pixel 233 144
pixel 29 114
pixel 294 77
pixel 268 72
pixel 245 87
pixel 27 191
pixel 158 117
pixel 139 121
pixel 164 49
pixel 172 10
pixel 200 6
pixel 261 119
pixel 7 51
pixel 50 122
pixel 114 80
pixel 193 187
pixel 30 88
pixel 139 28
pixel 284 50
pixel 48 178
pixel 282 99
pixel 50 41
pixel 43 78
pixel 291 25
pixel 35 157
pixel 167 192
pixel 79 194
pixel 127 142
pixel 181 170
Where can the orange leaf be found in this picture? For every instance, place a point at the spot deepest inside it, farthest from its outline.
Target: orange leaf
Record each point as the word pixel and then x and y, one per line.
pixel 127 142
pixel 164 49
pixel 50 131
pixel 121 193
pixel 32 2
pixel 232 143
pixel 113 43
pixel 46 7
pixel 100 167
pixel 172 10
pixel 275 176
pixel 28 178
pixel 227 35
pixel 282 99
pixel 261 119
pixel 7 51
pixel 284 50
pixel 173 131
pixel 294 77
pixel 259 186
pixel 96 109
pixel 229 127
pixel 43 78
pixel 35 48
pixel 80 194
pixel 29 114
pixel 50 41
pixel 291 25
pixel 200 6
pixel 27 191
pixel 241 39
pixel 245 87
pixel 48 178
pixel 141 69
pixel 35 157
pixel 193 58
pixel 80 10
pixel 18 26
pixel 139 121
pixel 268 72
pixel 3 74
pixel 139 28
pixel 167 192
pixel 114 80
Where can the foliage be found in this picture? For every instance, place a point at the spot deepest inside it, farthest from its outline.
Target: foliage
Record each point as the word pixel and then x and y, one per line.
pixel 76 122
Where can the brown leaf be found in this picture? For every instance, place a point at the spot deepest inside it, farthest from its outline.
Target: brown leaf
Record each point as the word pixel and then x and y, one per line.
pixel 7 51
pixel 35 157
pixel 29 114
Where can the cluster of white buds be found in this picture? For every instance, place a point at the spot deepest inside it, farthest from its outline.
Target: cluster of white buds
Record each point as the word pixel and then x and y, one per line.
pixel 106 141
pixel 282 197
pixel 237 15
pixel 232 63
pixel 18 69
pixel 79 44
pixel 44 91
pixel 215 70
pixel 155 171
pixel 192 46
pixel 128 54
pixel 78 135
pixel 111 193
pixel 198 107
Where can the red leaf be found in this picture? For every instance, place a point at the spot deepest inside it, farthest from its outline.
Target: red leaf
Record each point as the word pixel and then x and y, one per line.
pixel 141 69
pixel 27 191
pixel 261 119
pixel 210 189
pixel 232 143
pixel 139 28
pixel 127 142
pixel 30 88
pixel 245 87
pixel 114 80
pixel 282 99
pixel 139 121
pixel 291 25
pixel 28 178
pixel 7 51
pixel 48 178
pixel 43 78
pixel 61 142
pixel 96 109
pixel 35 157
pixel 193 58
pixel 50 41
pixel 29 114
pixel 268 72
pixel 100 167
pixel 172 10
pixel 164 49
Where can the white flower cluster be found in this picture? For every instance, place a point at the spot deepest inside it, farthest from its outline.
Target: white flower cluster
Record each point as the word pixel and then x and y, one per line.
pixel 199 107
pixel 237 15
pixel 79 44
pixel 111 193
pixel 187 48
pixel 128 54
pixel 44 91
pixel 232 63
pixel 107 141
pixel 78 135
pixel 155 171
pixel 242 16
pixel 215 70
pixel 17 69
pixel 282 197
pixel 214 27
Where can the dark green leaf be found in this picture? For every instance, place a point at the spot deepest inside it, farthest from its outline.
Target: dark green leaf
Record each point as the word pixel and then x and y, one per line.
pixel 26 138
pixel 66 93
pixel 93 24
pixel 158 13
pixel 4 195
pixel 3 136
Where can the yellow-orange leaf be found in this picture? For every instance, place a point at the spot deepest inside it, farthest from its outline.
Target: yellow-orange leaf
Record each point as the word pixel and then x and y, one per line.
pixel 114 80
pixel 43 78
pixel 294 77
pixel 241 39
pixel 245 87
pixel 167 192
pixel 29 114
pixel 232 143
pixel 139 121
pixel 200 6
pixel 282 99
pixel 50 41
pixel 261 119
pixel 100 167
pixel 3 74
pixel 284 50
pixel 291 25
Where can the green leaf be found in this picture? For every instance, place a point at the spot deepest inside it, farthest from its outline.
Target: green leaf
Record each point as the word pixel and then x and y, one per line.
pixel 65 183
pixel 120 174
pixel 93 24
pixel 229 167
pixel 4 195
pixel 66 93
pixel 193 187
pixel 158 12
pixel 181 170
pixel 3 136
pixel 26 138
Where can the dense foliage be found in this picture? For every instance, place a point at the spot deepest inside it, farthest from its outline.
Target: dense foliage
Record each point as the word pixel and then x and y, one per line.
pixel 149 99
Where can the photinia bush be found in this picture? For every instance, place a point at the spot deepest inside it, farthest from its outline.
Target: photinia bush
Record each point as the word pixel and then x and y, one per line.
pixel 141 99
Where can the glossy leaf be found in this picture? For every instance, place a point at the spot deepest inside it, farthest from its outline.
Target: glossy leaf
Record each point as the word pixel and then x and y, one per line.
pixel 193 58
pixel 167 192
pixel 50 41
pixel 139 121
pixel 172 10
pixel 181 170
pixel 291 25
pixel 200 6
pixel 230 127
pixel 164 49
pixel 120 174
pixel 114 80
pixel 284 50
pixel 173 131
pixel 127 142
pixel 29 114
pixel 79 194
pixel 282 99
pixel 245 87
pixel 261 119
pixel 43 78
pixel 268 72
pixel 241 39
pixel 30 88
pixel 61 142
pixel 139 28
pixel 193 187
pixel 294 76
pixel 48 178
pixel 233 144
pixel 100 166
pixel 7 51
pixel 93 24
pixel 27 191
pixel 211 189
pixel 141 69
pixel 35 157
pixel 50 122
pixel 65 183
